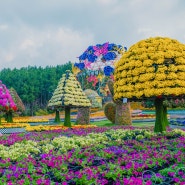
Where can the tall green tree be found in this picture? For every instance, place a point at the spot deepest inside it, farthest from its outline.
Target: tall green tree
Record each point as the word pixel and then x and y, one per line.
pixel 34 85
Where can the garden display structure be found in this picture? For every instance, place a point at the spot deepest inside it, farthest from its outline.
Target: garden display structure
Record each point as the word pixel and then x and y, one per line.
pixel 152 69
pixel 83 116
pixel 67 95
pixel 96 65
pixel 17 100
pixel 7 105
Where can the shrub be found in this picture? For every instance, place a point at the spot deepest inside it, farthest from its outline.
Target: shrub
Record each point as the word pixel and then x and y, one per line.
pixel 110 111
pixel 41 112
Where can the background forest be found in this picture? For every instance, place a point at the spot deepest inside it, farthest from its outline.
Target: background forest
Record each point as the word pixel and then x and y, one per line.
pixel 34 85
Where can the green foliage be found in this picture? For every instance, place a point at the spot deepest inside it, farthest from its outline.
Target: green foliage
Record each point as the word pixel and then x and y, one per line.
pixel 34 85
pixel 67 120
pixel 110 84
pixel 41 112
pixel 110 111
pixel 9 117
pixel 160 122
pixel 57 116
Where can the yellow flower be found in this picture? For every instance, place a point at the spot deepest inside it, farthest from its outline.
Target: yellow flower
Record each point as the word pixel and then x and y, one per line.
pixel 75 70
pixel 143 70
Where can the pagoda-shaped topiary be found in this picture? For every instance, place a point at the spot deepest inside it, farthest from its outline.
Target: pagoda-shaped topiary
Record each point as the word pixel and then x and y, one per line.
pixel 68 94
pixel 7 104
pixel 152 69
pixel 17 100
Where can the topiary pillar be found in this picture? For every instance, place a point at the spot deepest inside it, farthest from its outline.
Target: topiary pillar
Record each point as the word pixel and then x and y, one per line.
pixel 57 116
pixel 83 116
pixel 67 119
pixel 9 117
pixel 123 115
pixel 160 124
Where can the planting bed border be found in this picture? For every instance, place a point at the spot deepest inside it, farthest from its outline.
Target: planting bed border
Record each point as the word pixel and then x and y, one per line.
pixel 11 130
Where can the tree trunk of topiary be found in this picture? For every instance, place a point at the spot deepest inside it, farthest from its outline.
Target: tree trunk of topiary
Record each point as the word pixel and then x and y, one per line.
pixel 57 116
pixel 165 116
pixel 123 114
pixel 67 119
pixel 9 117
pixel 161 116
pixel 83 116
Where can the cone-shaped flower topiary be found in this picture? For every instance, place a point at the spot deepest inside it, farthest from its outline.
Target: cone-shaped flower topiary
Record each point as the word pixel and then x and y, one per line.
pixel 7 104
pixel 153 68
pixel 68 94
pixel 17 100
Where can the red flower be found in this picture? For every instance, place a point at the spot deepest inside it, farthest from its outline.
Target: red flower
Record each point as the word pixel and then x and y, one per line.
pixel 159 96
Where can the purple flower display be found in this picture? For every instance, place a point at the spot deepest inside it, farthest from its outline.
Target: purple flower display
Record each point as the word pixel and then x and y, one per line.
pixel 158 159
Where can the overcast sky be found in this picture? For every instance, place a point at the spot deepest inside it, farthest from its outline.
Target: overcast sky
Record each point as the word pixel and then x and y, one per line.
pixel 53 32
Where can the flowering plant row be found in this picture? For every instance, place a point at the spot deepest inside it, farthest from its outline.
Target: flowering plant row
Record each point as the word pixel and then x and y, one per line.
pixel 55 127
pixel 113 156
pixel 39 128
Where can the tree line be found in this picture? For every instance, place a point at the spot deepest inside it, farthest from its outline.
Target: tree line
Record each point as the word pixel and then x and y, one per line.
pixel 34 85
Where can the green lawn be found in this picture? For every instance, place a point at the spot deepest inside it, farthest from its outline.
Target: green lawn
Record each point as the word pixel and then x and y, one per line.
pixel 108 123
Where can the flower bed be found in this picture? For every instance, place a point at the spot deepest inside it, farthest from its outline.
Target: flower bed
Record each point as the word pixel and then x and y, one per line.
pixel 93 156
pixel 30 120
pixel 29 128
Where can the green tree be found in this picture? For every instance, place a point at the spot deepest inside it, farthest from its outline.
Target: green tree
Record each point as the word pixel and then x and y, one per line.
pixel 34 84
pixel 152 69
pixel 68 94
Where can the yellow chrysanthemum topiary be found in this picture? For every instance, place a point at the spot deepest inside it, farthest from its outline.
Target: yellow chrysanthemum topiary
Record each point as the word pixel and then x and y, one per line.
pixel 68 94
pixel 154 67
pixel 159 61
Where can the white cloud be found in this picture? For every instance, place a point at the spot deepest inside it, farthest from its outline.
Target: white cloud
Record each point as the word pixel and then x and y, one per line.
pixel 106 2
pixel 49 33
pixel 44 47
pixel 3 27
pixel 27 43
pixel 9 57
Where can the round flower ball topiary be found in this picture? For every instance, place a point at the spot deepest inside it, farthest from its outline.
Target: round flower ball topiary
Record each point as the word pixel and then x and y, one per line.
pixel 152 68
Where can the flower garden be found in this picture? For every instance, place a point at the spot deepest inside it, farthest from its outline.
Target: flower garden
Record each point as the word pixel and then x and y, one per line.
pixel 100 155
pixel 85 154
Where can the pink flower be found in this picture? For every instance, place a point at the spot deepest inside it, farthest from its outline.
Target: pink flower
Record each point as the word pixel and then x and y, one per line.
pixel 176 179
pixel 64 183
pixel 10 183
